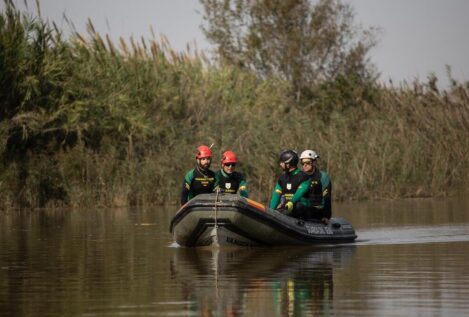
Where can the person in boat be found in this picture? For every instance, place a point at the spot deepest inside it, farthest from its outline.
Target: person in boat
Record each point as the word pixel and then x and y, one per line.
pixel 320 192
pixel 290 194
pixel 231 181
pixel 201 179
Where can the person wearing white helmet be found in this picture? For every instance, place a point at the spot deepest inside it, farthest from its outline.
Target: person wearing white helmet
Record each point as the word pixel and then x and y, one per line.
pixel 320 192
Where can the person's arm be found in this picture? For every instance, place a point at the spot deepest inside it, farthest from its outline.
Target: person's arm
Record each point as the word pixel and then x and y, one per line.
pixel 301 191
pixel 243 188
pixel 186 187
pixel 327 196
pixel 275 196
pixel 216 186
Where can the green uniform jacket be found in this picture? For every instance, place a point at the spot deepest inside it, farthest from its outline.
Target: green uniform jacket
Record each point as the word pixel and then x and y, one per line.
pixel 198 182
pixel 320 192
pixel 294 186
pixel 232 183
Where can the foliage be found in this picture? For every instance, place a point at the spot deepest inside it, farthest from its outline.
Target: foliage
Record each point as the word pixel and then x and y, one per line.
pixel 303 43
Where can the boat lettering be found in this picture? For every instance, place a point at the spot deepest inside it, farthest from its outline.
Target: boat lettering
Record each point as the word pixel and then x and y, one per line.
pixel 237 242
pixel 319 230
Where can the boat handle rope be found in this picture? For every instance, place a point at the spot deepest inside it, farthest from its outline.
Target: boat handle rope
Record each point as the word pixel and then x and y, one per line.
pixel 216 208
pixel 215 228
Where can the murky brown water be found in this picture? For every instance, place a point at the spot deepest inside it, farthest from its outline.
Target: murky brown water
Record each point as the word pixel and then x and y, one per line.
pixel 411 259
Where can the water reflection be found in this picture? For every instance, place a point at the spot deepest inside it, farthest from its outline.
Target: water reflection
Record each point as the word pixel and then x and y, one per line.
pixel 62 262
pixel 411 261
pixel 258 282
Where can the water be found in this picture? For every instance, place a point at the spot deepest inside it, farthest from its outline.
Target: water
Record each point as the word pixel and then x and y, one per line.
pixel 410 259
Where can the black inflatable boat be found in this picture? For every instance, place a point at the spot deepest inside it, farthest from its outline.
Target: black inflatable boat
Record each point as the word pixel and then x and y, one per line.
pixel 227 219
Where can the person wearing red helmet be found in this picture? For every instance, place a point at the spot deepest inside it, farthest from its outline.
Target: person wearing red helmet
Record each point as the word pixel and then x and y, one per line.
pixel 201 179
pixel 231 181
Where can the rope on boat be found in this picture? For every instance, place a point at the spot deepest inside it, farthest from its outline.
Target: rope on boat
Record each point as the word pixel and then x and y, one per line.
pixel 216 216
pixel 215 242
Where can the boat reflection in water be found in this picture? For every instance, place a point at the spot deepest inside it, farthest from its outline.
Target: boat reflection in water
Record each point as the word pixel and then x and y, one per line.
pixel 258 282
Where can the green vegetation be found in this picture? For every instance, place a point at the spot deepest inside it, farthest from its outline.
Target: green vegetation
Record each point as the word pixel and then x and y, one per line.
pixel 303 42
pixel 88 122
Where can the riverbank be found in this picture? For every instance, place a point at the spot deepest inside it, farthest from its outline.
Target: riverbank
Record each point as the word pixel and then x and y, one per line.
pixel 88 122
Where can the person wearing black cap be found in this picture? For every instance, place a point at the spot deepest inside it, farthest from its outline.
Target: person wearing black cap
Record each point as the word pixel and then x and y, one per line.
pixel 292 186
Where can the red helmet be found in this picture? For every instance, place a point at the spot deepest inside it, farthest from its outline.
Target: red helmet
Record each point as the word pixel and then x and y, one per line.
pixel 203 151
pixel 228 157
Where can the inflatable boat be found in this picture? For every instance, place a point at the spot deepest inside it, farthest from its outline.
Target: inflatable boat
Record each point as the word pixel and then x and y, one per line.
pixel 227 219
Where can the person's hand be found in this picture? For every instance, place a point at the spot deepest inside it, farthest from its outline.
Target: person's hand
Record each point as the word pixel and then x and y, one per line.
pixel 325 221
pixel 289 206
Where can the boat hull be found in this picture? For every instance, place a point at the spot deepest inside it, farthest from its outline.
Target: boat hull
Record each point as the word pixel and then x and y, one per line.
pixel 227 219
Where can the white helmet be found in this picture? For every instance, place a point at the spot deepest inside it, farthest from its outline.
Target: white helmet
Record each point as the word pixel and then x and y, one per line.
pixel 309 154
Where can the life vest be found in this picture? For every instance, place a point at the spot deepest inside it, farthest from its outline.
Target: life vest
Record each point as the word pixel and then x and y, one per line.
pixel 202 183
pixel 319 183
pixel 230 183
pixel 289 182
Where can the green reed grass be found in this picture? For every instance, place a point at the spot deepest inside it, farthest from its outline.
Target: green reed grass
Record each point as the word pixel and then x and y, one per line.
pixel 87 122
